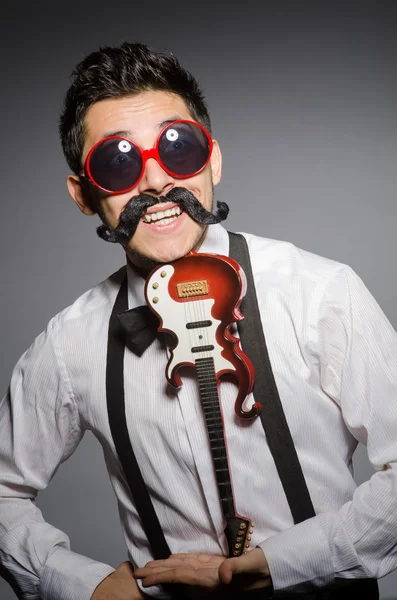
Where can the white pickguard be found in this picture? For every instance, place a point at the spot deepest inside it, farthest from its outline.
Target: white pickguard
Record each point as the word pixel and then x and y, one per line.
pixel 175 316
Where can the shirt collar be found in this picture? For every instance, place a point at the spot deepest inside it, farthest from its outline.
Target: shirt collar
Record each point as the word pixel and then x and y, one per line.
pixel 216 241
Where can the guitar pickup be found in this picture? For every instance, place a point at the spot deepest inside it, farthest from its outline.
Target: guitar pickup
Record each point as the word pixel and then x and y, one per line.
pixel 202 348
pixel 198 324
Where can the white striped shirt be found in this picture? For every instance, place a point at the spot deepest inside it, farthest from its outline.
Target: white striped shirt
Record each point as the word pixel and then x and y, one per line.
pixel 334 357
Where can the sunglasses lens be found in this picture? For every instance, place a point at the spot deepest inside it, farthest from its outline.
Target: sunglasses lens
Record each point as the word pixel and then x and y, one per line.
pixel 115 165
pixel 184 148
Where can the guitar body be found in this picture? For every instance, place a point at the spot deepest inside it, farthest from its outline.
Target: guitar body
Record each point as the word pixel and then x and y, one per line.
pixel 196 300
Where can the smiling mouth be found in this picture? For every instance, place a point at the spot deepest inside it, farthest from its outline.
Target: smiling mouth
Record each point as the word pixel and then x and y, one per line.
pixel 162 217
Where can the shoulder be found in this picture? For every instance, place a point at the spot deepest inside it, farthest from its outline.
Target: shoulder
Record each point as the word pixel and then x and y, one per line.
pixel 75 320
pixel 98 299
pixel 89 314
pixel 283 262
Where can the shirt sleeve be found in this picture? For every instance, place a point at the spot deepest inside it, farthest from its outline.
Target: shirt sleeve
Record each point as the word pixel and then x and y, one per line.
pixel 39 429
pixel 357 358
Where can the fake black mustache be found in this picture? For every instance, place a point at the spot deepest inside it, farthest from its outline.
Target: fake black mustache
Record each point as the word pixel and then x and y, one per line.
pixel 138 205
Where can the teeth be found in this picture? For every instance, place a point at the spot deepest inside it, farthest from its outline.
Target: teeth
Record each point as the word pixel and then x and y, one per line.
pixel 165 216
pixel 165 221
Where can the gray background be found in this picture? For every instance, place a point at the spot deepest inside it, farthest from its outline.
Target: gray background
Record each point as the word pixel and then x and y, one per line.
pixel 303 98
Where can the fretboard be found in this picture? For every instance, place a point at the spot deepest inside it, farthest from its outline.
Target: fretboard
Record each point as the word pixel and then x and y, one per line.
pixel 210 402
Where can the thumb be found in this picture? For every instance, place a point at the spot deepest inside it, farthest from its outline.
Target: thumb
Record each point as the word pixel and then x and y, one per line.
pixel 252 562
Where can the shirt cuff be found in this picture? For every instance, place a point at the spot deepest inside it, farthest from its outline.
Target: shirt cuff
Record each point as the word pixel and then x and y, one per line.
pixel 71 576
pixel 299 558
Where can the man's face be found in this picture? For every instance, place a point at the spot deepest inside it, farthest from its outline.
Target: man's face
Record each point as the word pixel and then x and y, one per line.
pixel 141 118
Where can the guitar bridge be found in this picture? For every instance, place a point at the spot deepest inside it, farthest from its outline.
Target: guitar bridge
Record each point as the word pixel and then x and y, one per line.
pixel 189 289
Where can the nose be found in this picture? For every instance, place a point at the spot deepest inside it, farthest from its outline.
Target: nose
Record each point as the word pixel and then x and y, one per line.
pixel 155 180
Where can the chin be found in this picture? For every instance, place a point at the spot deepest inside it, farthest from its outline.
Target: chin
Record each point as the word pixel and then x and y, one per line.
pixel 166 252
pixel 148 259
pixel 165 256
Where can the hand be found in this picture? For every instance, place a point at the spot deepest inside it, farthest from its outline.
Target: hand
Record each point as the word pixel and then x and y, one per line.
pixel 208 571
pixel 119 585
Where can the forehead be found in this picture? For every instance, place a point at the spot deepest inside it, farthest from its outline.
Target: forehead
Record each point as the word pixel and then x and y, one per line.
pixel 139 115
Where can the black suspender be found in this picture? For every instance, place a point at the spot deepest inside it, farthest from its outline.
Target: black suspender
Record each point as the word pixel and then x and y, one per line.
pixel 118 427
pixel 265 391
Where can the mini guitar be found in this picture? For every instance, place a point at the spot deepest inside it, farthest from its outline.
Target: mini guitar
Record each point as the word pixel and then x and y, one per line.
pixel 197 299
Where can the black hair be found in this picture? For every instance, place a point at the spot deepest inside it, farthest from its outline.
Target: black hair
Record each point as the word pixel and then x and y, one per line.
pixel 116 72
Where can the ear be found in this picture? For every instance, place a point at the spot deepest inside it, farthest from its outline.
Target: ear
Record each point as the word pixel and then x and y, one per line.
pixel 79 194
pixel 216 163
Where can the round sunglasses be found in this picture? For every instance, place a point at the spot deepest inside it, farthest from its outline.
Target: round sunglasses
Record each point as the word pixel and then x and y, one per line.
pixel 116 164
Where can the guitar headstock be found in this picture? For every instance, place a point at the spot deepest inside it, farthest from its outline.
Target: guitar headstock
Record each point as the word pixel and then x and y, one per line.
pixel 238 532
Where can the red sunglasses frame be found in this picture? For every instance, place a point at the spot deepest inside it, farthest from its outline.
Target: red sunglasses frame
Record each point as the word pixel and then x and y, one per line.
pixel 145 155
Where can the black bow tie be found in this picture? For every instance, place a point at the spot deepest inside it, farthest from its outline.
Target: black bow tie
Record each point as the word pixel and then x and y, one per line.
pixel 140 326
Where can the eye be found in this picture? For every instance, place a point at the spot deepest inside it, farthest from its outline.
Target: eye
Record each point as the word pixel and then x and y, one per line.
pixel 182 143
pixel 120 160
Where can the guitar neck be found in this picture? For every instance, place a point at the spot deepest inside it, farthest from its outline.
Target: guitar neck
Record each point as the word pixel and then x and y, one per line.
pixel 210 402
pixel 238 529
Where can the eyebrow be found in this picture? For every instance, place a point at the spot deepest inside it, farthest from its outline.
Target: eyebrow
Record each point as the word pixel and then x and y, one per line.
pixel 129 134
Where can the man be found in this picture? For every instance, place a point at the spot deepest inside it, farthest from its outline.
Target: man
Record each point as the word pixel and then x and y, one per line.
pixel 136 134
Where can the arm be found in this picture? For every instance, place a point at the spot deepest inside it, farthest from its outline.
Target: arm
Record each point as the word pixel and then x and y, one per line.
pixel 39 429
pixel 357 354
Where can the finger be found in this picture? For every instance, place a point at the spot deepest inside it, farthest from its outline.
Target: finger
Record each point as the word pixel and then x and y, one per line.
pixel 201 557
pixel 172 561
pixel 145 571
pixel 207 579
